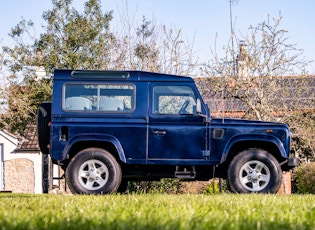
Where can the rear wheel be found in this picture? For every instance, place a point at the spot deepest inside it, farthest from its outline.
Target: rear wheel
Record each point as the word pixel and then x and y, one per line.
pixel 254 170
pixel 93 171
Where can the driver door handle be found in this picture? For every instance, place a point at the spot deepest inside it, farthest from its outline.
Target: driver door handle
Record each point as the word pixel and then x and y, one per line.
pixel 159 132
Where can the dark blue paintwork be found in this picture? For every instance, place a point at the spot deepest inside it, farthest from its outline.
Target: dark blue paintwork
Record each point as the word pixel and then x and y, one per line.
pixel 142 137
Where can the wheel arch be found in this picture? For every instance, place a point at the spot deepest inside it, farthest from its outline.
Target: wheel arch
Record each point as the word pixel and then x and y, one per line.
pixel 240 143
pixel 104 141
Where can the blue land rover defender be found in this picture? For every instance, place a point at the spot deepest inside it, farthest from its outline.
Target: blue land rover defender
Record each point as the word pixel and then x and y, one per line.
pixel 105 128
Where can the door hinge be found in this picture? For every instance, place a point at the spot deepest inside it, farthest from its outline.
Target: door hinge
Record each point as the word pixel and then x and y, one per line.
pixel 206 153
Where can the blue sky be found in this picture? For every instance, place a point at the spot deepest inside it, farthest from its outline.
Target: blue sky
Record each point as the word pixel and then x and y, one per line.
pixel 199 19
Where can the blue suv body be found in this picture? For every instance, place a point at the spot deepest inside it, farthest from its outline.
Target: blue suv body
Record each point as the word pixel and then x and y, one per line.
pixel 106 128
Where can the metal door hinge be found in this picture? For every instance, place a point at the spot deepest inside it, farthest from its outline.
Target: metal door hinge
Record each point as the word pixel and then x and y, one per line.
pixel 206 153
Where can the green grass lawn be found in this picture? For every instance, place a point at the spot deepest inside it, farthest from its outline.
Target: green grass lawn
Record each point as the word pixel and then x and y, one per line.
pixel 223 211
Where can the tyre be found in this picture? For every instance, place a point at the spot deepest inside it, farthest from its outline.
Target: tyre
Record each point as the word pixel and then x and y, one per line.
pixel 93 171
pixel 43 128
pixel 254 171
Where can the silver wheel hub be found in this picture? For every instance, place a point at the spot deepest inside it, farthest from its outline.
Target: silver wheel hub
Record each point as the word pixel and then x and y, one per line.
pixel 254 176
pixel 93 174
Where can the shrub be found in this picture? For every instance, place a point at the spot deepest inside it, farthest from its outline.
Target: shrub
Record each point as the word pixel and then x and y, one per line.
pixel 165 185
pixel 304 177
pixel 214 187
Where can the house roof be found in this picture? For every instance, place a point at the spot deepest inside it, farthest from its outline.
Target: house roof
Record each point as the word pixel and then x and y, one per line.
pixel 9 136
pixel 29 143
pixel 295 92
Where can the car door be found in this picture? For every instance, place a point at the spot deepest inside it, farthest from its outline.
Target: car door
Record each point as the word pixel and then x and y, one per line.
pixel 176 132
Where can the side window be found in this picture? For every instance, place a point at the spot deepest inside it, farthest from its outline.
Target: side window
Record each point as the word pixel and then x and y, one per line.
pixel 99 97
pixel 174 100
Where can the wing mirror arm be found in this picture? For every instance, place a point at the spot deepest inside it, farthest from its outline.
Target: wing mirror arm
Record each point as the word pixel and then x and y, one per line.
pixel 198 107
pixel 199 110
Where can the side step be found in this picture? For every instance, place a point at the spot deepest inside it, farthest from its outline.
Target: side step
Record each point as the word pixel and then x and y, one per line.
pixel 183 172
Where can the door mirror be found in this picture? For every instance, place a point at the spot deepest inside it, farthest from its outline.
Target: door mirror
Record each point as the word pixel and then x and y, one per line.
pixel 198 106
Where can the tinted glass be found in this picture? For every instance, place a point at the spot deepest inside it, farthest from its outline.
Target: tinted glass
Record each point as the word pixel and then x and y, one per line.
pixel 174 100
pixel 99 97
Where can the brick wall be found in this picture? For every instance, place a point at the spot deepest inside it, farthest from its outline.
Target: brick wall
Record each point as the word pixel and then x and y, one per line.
pixel 19 176
pixel 286 184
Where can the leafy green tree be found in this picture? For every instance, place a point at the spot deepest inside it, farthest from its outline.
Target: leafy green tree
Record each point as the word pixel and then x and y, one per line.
pixel 70 40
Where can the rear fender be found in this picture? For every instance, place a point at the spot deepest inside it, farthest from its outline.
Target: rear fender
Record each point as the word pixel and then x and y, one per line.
pixel 257 138
pixel 95 137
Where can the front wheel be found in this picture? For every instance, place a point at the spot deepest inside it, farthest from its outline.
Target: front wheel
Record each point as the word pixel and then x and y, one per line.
pixel 93 171
pixel 254 170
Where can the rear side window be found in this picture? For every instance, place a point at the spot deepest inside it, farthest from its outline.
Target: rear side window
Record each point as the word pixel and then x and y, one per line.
pixel 113 98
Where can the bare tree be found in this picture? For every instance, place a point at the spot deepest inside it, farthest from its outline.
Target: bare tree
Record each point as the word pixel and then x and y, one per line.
pixel 267 77
pixel 151 47
pixel 1 58
pixel 177 56
pixel 3 84
pixel 263 61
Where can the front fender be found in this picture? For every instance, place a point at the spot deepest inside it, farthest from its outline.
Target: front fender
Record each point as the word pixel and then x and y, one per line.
pixel 95 137
pixel 253 137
